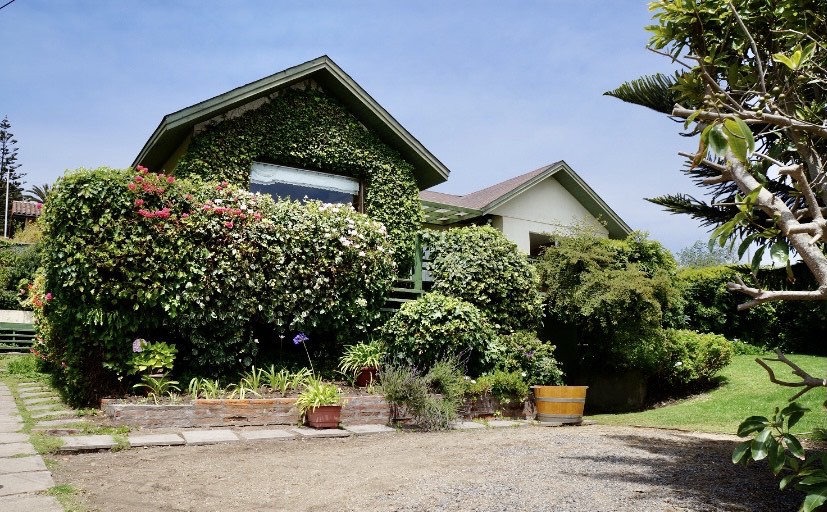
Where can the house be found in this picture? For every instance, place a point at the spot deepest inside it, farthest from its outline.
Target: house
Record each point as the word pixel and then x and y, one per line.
pixel 527 208
pixel 312 131
pixel 309 130
pixel 22 213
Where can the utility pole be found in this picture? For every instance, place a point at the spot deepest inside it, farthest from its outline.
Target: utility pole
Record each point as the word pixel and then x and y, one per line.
pixel 6 209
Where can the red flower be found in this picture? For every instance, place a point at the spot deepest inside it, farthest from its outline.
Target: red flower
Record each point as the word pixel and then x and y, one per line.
pixel 131 186
pixel 141 168
pixel 185 215
pixel 228 224
pixel 139 202
pixel 139 178
pixel 170 179
pixel 49 296
pixel 39 205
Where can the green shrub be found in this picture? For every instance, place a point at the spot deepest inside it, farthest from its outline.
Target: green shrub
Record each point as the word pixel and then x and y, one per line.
pixel 445 378
pixel 18 264
pixel 742 348
pixel 25 365
pixel 505 387
pixel 617 293
pixel 523 352
pixel 432 399
pixel 436 327
pixel 710 307
pixel 203 265
pixel 479 265
pixel 694 357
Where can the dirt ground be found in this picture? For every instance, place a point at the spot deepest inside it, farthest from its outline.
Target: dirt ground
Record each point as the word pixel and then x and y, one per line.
pixel 527 468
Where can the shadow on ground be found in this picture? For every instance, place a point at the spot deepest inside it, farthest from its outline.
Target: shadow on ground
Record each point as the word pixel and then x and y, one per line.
pixel 700 471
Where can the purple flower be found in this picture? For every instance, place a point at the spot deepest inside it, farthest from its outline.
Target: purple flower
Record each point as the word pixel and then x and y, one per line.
pixel 138 345
pixel 300 338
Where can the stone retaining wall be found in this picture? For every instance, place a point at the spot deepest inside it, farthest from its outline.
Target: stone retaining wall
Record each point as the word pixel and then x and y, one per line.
pixel 358 410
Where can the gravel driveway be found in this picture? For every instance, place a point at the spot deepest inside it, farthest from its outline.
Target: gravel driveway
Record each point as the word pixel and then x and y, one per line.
pixel 590 468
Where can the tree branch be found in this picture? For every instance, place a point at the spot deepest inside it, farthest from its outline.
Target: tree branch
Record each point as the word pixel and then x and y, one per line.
pixel 807 381
pixel 750 117
pixel 760 296
pixel 754 47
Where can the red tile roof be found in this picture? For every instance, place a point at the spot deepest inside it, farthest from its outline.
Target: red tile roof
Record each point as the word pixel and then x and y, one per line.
pixel 26 208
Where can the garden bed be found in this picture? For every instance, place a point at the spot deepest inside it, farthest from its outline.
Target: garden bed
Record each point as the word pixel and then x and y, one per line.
pixel 359 410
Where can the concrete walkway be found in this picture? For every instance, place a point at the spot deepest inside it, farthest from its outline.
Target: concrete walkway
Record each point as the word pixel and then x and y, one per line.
pixel 23 475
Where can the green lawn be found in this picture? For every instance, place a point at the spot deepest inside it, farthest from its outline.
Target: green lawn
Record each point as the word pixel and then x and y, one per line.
pixel 747 391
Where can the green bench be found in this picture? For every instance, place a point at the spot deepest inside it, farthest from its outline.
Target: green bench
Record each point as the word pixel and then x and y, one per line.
pixel 16 337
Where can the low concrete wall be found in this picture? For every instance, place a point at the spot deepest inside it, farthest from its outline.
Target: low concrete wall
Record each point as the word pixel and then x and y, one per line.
pixel 358 410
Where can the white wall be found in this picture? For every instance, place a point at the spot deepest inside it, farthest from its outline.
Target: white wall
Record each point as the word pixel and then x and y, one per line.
pixel 546 207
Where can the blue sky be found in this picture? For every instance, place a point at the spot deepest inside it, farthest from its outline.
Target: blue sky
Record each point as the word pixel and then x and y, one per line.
pixel 492 89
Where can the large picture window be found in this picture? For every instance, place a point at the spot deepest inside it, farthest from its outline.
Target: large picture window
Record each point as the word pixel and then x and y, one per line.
pixel 289 182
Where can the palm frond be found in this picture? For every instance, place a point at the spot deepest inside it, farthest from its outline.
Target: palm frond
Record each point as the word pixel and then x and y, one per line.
pixel 651 91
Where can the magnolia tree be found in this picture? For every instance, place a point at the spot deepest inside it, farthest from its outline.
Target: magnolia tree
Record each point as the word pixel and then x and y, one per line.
pixel 752 85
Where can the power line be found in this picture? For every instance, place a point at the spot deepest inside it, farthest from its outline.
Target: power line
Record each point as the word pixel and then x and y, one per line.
pixel 7 4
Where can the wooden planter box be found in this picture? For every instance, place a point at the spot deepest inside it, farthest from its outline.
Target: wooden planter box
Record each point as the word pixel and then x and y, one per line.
pixel 358 410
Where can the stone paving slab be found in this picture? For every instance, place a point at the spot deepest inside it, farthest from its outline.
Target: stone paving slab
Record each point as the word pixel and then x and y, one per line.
pixel 38 401
pixel 29 386
pixel 324 432
pixel 138 440
pixel 12 449
pixel 467 425
pixel 363 430
pixel 196 437
pixel 61 423
pixel 10 437
pixel 20 483
pixel 30 503
pixel 60 413
pixel 22 465
pixel 44 407
pixel 505 423
pixel 36 394
pixel 255 435
pixel 84 443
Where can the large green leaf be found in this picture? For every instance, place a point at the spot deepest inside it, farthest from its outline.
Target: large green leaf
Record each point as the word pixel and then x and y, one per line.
pixel 780 252
pixel 741 452
pixel 793 445
pixel 761 445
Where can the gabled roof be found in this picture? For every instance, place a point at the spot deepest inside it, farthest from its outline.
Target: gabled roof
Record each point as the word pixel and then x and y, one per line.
pixel 175 127
pixel 443 208
pixel 26 208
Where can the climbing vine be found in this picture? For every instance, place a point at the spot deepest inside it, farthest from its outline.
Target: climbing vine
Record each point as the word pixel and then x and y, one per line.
pixel 309 129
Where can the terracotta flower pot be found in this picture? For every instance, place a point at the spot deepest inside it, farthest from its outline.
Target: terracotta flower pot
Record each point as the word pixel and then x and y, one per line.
pixel 366 377
pixel 324 416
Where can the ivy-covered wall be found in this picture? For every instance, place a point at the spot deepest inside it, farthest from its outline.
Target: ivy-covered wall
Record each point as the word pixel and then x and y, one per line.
pixel 311 130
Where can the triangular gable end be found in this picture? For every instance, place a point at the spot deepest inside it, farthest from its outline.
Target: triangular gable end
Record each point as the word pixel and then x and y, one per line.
pixel 177 127
pixel 575 186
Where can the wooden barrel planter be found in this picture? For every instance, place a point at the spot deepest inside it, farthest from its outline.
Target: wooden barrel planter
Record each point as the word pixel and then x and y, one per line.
pixel 560 404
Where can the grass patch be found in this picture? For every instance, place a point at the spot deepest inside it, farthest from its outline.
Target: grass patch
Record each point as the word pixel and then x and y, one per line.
pixel 67 495
pixel 44 443
pixel 746 391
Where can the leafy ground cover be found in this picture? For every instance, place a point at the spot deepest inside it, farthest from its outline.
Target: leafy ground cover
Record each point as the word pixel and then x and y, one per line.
pixel 745 391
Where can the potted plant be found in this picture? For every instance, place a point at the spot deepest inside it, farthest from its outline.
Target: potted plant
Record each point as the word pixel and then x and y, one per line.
pixel 362 360
pixel 320 403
